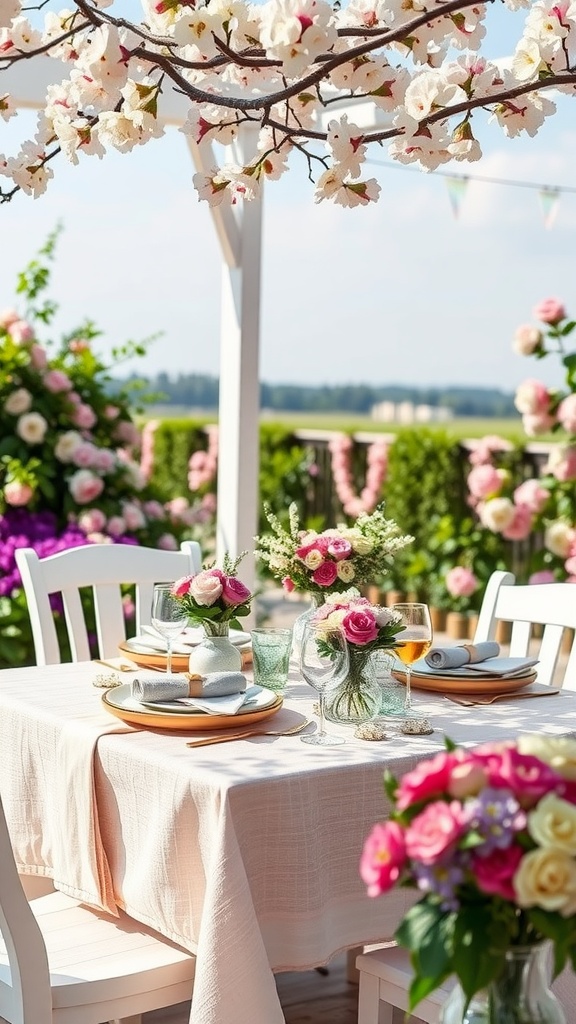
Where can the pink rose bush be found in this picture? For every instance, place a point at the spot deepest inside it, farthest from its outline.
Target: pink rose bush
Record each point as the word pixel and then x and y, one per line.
pixel 215 596
pixel 332 561
pixel 487 836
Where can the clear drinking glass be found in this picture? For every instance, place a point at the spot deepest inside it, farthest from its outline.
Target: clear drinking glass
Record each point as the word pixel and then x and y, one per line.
pixel 168 617
pixel 324 664
pixel 414 641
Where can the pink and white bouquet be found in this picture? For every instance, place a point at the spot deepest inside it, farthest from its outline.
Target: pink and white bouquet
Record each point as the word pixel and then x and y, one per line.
pixel 488 837
pixel 367 627
pixel 333 560
pixel 214 597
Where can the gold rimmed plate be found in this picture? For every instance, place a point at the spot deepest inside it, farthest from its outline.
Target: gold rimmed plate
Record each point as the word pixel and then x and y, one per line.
pixel 453 683
pixel 120 703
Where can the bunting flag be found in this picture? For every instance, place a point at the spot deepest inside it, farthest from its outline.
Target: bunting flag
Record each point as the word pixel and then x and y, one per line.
pixel 549 198
pixel 456 192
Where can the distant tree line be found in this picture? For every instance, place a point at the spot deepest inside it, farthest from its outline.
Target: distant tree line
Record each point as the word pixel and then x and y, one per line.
pixel 201 392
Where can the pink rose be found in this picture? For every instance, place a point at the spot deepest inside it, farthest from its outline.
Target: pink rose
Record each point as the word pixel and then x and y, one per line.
pixel 205 588
pixel 339 548
pixel 83 416
pixel 104 460
pixel 85 486
pixel 532 494
pixel 383 857
pixel 493 874
pixel 562 463
pixel 167 542
pixel 521 525
pixel 526 776
pixel 537 423
pixel 92 520
pixel 484 481
pixel 20 330
pixel 532 397
pixel 116 526
pixel 566 414
pixel 127 432
pixel 435 830
pixel 17 493
pixel 234 592
pixel 111 412
pixel 460 581
pixel 154 510
pixel 359 627
pixel 429 778
pixel 288 584
pixel 325 574
pixel 38 357
pixel 570 565
pixel 527 340
pixel 57 381
pixel 181 587
pixel 544 576
pixel 549 311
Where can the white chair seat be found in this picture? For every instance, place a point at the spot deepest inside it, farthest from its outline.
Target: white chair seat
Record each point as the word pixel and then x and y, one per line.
pixel 385 976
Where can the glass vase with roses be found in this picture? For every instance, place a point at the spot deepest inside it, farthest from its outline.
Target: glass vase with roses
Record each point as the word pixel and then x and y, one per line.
pixel 367 628
pixel 216 600
pixel 488 837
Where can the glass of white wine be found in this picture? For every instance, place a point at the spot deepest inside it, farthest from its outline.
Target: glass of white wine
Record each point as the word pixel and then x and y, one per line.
pixel 168 617
pixel 413 641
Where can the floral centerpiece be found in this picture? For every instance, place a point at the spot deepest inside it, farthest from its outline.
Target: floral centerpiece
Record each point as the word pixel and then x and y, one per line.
pixel 488 837
pixel 331 561
pixel 367 628
pixel 215 598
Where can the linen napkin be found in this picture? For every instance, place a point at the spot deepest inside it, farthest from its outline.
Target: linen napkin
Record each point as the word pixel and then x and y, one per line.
pixel 464 654
pixel 214 684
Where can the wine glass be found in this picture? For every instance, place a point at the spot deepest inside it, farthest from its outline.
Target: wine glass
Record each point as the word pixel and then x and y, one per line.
pixel 168 617
pixel 414 641
pixel 324 663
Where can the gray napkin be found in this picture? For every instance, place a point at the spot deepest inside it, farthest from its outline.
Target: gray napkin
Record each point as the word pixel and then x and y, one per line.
pixel 466 654
pixel 214 684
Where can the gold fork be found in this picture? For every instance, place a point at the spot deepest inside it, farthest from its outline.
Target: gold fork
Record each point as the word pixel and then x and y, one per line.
pixel 246 735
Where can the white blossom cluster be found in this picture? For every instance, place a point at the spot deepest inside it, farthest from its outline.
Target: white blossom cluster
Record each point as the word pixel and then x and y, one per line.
pixel 280 66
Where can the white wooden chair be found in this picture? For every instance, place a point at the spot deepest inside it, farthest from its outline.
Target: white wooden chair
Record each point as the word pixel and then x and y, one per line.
pixel 103 567
pixel 549 605
pixel 63 963
pixel 384 980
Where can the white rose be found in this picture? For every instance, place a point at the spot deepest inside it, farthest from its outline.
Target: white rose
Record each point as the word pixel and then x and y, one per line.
pixel 552 823
pixel 362 545
pixel 557 751
pixel 32 427
pixel 66 445
pixel 205 588
pixel 558 538
pixel 547 878
pixel 18 402
pixel 383 616
pixel 313 559
pixel 527 339
pixel 497 514
pixel 345 571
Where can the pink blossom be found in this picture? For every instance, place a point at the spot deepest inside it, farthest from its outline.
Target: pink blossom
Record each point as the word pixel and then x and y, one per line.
pixel 288 584
pixel 128 606
pixel 467 778
pixel 484 481
pixel 127 432
pixel 234 592
pixel 360 626
pixel 562 464
pixel 325 574
pixel 181 587
pixel 481 450
pixel 339 548
pixel 154 510
pixel 493 874
pixel 78 345
pixel 566 413
pixel 116 526
pixel 538 423
pixel 167 542
pixel 7 317
pixel 461 582
pixel 527 339
pixel 85 486
pixel 111 412
pixel 526 776
pixel 521 525
pixel 38 357
pixel 134 516
pixel 17 493
pixel 84 454
pixel 429 778
pixel 56 381
pixel 92 520
pixel 83 416
pixel 383 857
pixel 544 576
pixel 104 461
pixel 549 311
pixel 206 587
pixel 20 330
pixel 435 830
pixel 318 543
pixel 532 397
pixel 532 494
pixel 570 565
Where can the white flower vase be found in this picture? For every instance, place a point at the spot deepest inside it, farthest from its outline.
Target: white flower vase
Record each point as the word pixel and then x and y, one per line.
pixel 215 653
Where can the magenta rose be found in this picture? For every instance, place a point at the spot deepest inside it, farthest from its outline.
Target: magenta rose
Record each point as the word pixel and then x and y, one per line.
pixel 339 548
pixel 288 584
pixel 434 831
pixel 234 591
pixel 325 574
pixel 549 311
pixel 526 776
pixel 181 587
pixel 359 627
pixel 429 778
pixel 383 857
pixel 494 873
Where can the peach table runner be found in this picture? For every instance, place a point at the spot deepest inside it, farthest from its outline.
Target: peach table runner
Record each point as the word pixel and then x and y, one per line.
pixel 245 853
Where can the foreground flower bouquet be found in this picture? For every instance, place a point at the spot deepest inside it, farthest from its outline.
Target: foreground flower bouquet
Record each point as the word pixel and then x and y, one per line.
pixel 215 598
pixel 488 836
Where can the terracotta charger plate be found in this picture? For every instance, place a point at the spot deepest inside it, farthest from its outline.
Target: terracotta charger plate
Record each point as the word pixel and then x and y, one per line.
pixel 147 659
pixel 119 702
pixel 464 684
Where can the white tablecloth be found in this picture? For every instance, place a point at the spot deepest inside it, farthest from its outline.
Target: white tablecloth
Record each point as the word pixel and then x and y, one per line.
pixel 245 853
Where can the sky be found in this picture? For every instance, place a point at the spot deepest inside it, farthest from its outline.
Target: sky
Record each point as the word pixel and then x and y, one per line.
pixel 402 292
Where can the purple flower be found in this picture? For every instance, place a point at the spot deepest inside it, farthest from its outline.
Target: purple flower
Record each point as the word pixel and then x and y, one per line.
pixel 442 879
pixel 497 816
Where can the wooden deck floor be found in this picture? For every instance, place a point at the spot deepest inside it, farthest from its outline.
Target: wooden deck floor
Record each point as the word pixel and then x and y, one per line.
pixel 307 997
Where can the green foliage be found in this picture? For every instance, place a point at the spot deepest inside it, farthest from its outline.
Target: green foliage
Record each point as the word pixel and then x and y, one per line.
pixel 174 442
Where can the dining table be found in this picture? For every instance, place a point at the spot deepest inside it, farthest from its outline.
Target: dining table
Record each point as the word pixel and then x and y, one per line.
pixel 245 853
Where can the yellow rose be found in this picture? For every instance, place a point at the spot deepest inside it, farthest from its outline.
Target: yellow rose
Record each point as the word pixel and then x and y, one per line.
pixel 345 571
pixel 553 823
pixel 557 751
pixel 547 878
pixel 331 622
pixel 313 560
